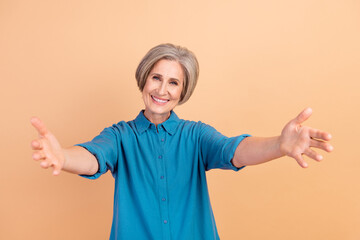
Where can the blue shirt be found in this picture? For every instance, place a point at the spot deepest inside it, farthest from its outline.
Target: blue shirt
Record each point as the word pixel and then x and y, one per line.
pixel 160 181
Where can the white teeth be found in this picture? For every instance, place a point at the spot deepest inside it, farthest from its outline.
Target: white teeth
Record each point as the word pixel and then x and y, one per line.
pixel 159 100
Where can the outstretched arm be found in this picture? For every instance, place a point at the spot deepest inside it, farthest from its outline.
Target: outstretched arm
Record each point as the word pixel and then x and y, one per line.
pixel 295 140
pixel 48 151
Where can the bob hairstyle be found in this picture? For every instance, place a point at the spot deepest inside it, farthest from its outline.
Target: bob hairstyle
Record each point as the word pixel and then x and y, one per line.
pixel 171 52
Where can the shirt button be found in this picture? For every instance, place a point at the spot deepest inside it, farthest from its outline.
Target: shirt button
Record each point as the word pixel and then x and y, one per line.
pixel 165 221
pixel 162 177
pixel 160 157
pixel 163 199
pixel 162 139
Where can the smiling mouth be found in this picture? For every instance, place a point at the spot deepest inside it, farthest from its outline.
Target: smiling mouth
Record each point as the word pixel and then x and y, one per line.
pixel 158 100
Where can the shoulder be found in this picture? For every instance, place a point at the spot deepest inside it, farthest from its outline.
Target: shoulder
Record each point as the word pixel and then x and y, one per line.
pixel 121 128
pixel 198 127
pixel 122 125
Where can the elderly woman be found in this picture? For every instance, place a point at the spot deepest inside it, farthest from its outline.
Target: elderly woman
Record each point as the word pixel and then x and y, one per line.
pixel 159 160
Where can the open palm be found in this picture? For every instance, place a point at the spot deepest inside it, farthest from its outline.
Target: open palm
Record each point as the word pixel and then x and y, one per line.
pixel 296 140
pixel 47 148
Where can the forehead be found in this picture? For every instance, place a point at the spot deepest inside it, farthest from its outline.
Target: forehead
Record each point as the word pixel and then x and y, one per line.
pixel 168 69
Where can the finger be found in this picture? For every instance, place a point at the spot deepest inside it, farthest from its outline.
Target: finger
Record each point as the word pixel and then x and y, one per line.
pixel 36 145
pixel 56 166
pixel 47 161
pixel 39 125
pixel 300 161
pixel 39 155
pixel 312 154
pixel 321 145
pixel 315 133
pixel 303 116
pixel 45 164
pixel 57 169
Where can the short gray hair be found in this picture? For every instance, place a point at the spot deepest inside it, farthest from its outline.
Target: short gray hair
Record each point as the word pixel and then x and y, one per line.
pixel 183 56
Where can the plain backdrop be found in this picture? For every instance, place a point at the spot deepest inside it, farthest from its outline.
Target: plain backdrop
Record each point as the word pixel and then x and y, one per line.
pixel 72 64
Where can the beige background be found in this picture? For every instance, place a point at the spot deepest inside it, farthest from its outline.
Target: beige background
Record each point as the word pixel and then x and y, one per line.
pixel 72 63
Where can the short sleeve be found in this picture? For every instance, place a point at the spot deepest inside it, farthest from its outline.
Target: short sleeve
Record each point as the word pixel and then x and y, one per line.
pixel 217 150
pixel 105 148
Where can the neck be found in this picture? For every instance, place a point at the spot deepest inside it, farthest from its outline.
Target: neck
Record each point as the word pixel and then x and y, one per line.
pixel 156 118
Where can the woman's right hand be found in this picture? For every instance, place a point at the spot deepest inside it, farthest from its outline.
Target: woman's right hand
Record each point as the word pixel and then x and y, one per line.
pixel 47 148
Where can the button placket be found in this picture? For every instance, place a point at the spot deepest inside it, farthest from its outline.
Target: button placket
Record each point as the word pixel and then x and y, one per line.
pixel 163 193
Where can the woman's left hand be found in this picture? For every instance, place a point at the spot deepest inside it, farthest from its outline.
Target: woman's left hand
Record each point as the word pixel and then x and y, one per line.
pixel 296 140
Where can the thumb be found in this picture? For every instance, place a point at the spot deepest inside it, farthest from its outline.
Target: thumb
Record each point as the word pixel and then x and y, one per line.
pixel 57 170
pixel 303 116
pixel 39 126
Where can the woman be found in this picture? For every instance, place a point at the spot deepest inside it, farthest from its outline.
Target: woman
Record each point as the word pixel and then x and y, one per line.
pixel 159 161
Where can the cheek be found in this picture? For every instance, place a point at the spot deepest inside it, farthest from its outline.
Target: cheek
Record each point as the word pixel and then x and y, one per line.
pixel 179 93
pixel 175 94
pixel 147 88
pixel 145 92
pixel 150 86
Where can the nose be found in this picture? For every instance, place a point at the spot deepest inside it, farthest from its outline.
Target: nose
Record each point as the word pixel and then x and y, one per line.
pixel 162 88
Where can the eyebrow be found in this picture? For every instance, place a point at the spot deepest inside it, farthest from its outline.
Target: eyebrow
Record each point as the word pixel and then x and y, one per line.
pixel 158 74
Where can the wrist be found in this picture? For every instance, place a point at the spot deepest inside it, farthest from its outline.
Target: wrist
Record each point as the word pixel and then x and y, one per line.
pixel 280 149
pixel 64 159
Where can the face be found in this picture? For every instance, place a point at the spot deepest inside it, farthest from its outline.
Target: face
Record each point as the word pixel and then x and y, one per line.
pixel 162 90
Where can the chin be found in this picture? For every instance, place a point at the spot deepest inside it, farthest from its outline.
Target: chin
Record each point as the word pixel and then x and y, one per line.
pixel 160 111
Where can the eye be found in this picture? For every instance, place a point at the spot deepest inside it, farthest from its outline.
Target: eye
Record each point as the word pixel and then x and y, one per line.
pixel 156 78
pixel 175 83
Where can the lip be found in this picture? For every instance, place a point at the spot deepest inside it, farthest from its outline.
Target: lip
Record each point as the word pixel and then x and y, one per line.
pixel 161 101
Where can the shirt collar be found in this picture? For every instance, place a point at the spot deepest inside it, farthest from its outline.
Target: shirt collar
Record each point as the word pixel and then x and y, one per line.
pixel 170 125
